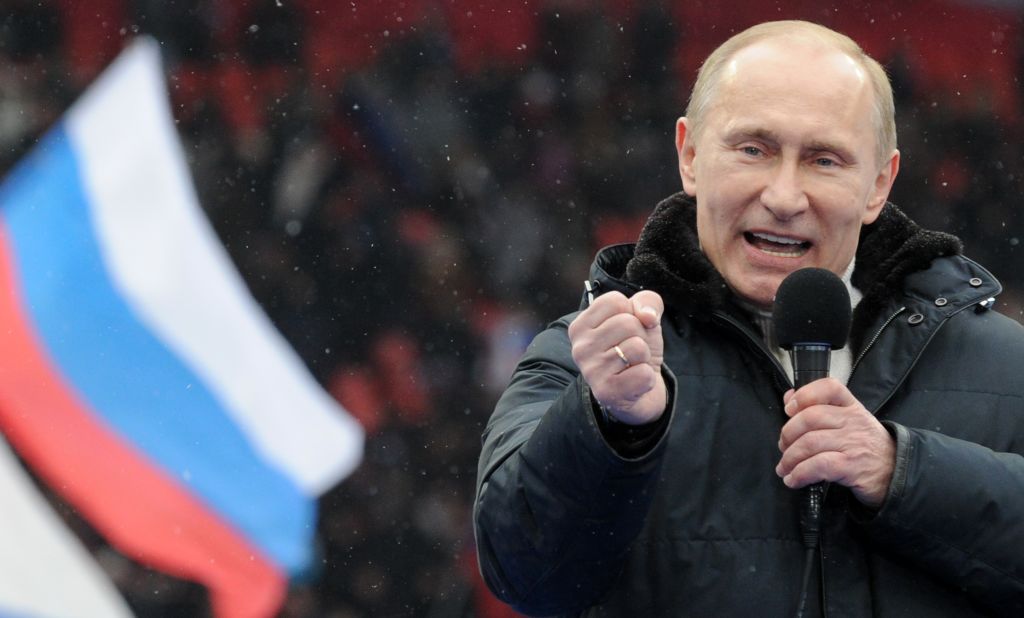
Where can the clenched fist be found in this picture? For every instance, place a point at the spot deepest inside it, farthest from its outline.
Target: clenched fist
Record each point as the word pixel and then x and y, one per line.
pixel 617 344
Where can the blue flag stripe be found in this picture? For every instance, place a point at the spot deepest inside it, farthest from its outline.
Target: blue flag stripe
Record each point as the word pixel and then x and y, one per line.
pixel 132 382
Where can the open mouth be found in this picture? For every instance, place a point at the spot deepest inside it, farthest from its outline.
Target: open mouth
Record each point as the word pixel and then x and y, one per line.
pixel 780 246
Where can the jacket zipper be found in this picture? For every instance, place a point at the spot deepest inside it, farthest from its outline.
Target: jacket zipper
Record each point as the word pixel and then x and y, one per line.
pixel 758 342
pixel 781 372
pixel 874 339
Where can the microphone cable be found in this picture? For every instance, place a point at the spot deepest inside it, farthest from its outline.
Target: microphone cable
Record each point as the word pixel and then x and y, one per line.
pixel 810 529
pixel 808 569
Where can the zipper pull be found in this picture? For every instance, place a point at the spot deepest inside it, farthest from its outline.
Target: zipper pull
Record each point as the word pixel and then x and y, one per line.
pixel 589 289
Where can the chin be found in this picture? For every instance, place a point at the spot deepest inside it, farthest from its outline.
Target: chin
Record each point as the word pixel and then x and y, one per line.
pixel 760 292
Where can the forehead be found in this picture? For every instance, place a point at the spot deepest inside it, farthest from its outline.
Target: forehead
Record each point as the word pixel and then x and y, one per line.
pixel 796 84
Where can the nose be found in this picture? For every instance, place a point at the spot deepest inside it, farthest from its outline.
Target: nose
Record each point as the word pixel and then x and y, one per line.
pixel 783 194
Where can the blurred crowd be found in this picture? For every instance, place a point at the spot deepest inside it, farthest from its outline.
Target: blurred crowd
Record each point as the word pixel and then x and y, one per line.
pixel 412 188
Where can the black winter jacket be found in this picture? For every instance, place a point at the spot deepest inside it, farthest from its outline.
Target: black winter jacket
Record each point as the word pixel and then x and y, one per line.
pixel 698 524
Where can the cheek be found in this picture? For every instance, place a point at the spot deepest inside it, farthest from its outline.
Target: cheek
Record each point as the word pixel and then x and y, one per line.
pixel 714 230
pixel 843 229
pixel 724 215
pixel 843 208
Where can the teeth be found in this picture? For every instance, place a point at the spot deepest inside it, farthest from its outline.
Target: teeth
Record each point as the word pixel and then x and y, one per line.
pixel 780 246
pixel 781 254
pixel 777 239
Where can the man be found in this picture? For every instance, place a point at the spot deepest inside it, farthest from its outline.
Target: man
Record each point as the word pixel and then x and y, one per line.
pixel 647 456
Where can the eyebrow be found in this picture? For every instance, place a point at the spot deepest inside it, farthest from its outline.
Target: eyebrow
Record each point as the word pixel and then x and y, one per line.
pixel 760 134
pixel 772 137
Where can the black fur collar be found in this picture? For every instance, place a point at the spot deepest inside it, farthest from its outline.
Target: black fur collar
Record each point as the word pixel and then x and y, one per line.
pixel 668 259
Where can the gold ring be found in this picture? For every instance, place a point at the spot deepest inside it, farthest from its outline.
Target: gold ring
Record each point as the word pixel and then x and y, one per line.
pixel 619 351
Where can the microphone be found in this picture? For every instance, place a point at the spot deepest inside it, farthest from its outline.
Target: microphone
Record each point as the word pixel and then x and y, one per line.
pixel 811 315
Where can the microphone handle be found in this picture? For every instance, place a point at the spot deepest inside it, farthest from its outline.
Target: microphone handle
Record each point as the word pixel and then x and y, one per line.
pixel 810 363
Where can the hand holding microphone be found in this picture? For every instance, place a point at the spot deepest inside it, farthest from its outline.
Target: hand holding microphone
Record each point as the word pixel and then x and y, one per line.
pixel 618 346
pixel 831 437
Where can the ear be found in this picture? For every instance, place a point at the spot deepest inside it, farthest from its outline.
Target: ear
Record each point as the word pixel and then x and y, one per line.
pixel 883 184
pixel 687 152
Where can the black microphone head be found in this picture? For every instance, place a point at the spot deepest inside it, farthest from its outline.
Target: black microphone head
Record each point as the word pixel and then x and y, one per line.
pixel 812 306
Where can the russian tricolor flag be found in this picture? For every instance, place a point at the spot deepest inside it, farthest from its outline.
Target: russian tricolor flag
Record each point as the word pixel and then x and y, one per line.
pixel 138 377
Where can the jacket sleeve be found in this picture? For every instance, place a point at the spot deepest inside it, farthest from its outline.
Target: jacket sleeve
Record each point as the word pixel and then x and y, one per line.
pixel 956 509
pixel 556 506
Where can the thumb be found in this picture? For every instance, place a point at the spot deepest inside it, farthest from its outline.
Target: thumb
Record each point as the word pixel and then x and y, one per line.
pixel 648 307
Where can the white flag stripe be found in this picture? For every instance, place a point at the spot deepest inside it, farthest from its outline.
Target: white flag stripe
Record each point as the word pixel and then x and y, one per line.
pixel 44 570
pixel 172 269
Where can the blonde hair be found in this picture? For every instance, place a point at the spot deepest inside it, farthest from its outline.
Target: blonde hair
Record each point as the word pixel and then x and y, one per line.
pixel 883 110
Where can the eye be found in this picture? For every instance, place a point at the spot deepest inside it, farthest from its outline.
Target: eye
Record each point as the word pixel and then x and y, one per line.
pixel 753 151
pixel 826 162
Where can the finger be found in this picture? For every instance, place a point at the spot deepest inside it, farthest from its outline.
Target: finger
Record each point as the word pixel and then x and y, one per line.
pixel 621 326
pixel 622 389
pixel 648 307
pixel 593 334
pixel 809 419
pixel 790 404
pixel 603 307
pixel 613 331
pixel 808 445
pixel 636 351
pixel 822 467
pixel 827 391
pixel 618 359
pixel 634 397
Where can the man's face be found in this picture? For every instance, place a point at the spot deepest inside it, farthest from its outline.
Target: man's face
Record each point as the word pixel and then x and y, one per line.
pixel 785 168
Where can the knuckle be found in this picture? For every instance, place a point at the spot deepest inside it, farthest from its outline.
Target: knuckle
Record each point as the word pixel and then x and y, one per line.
pixel 581 347
pixel 650 379
pixel 800 473
pixel 625 321
pixel 615 300
pixel 788 461
pixel 636 382
pixel 575 326
pixel 829 467
pixel 784 444
pixel 652 336
pixel 786 435
pixel 638 349
pixel 814 442
pixel 645 295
